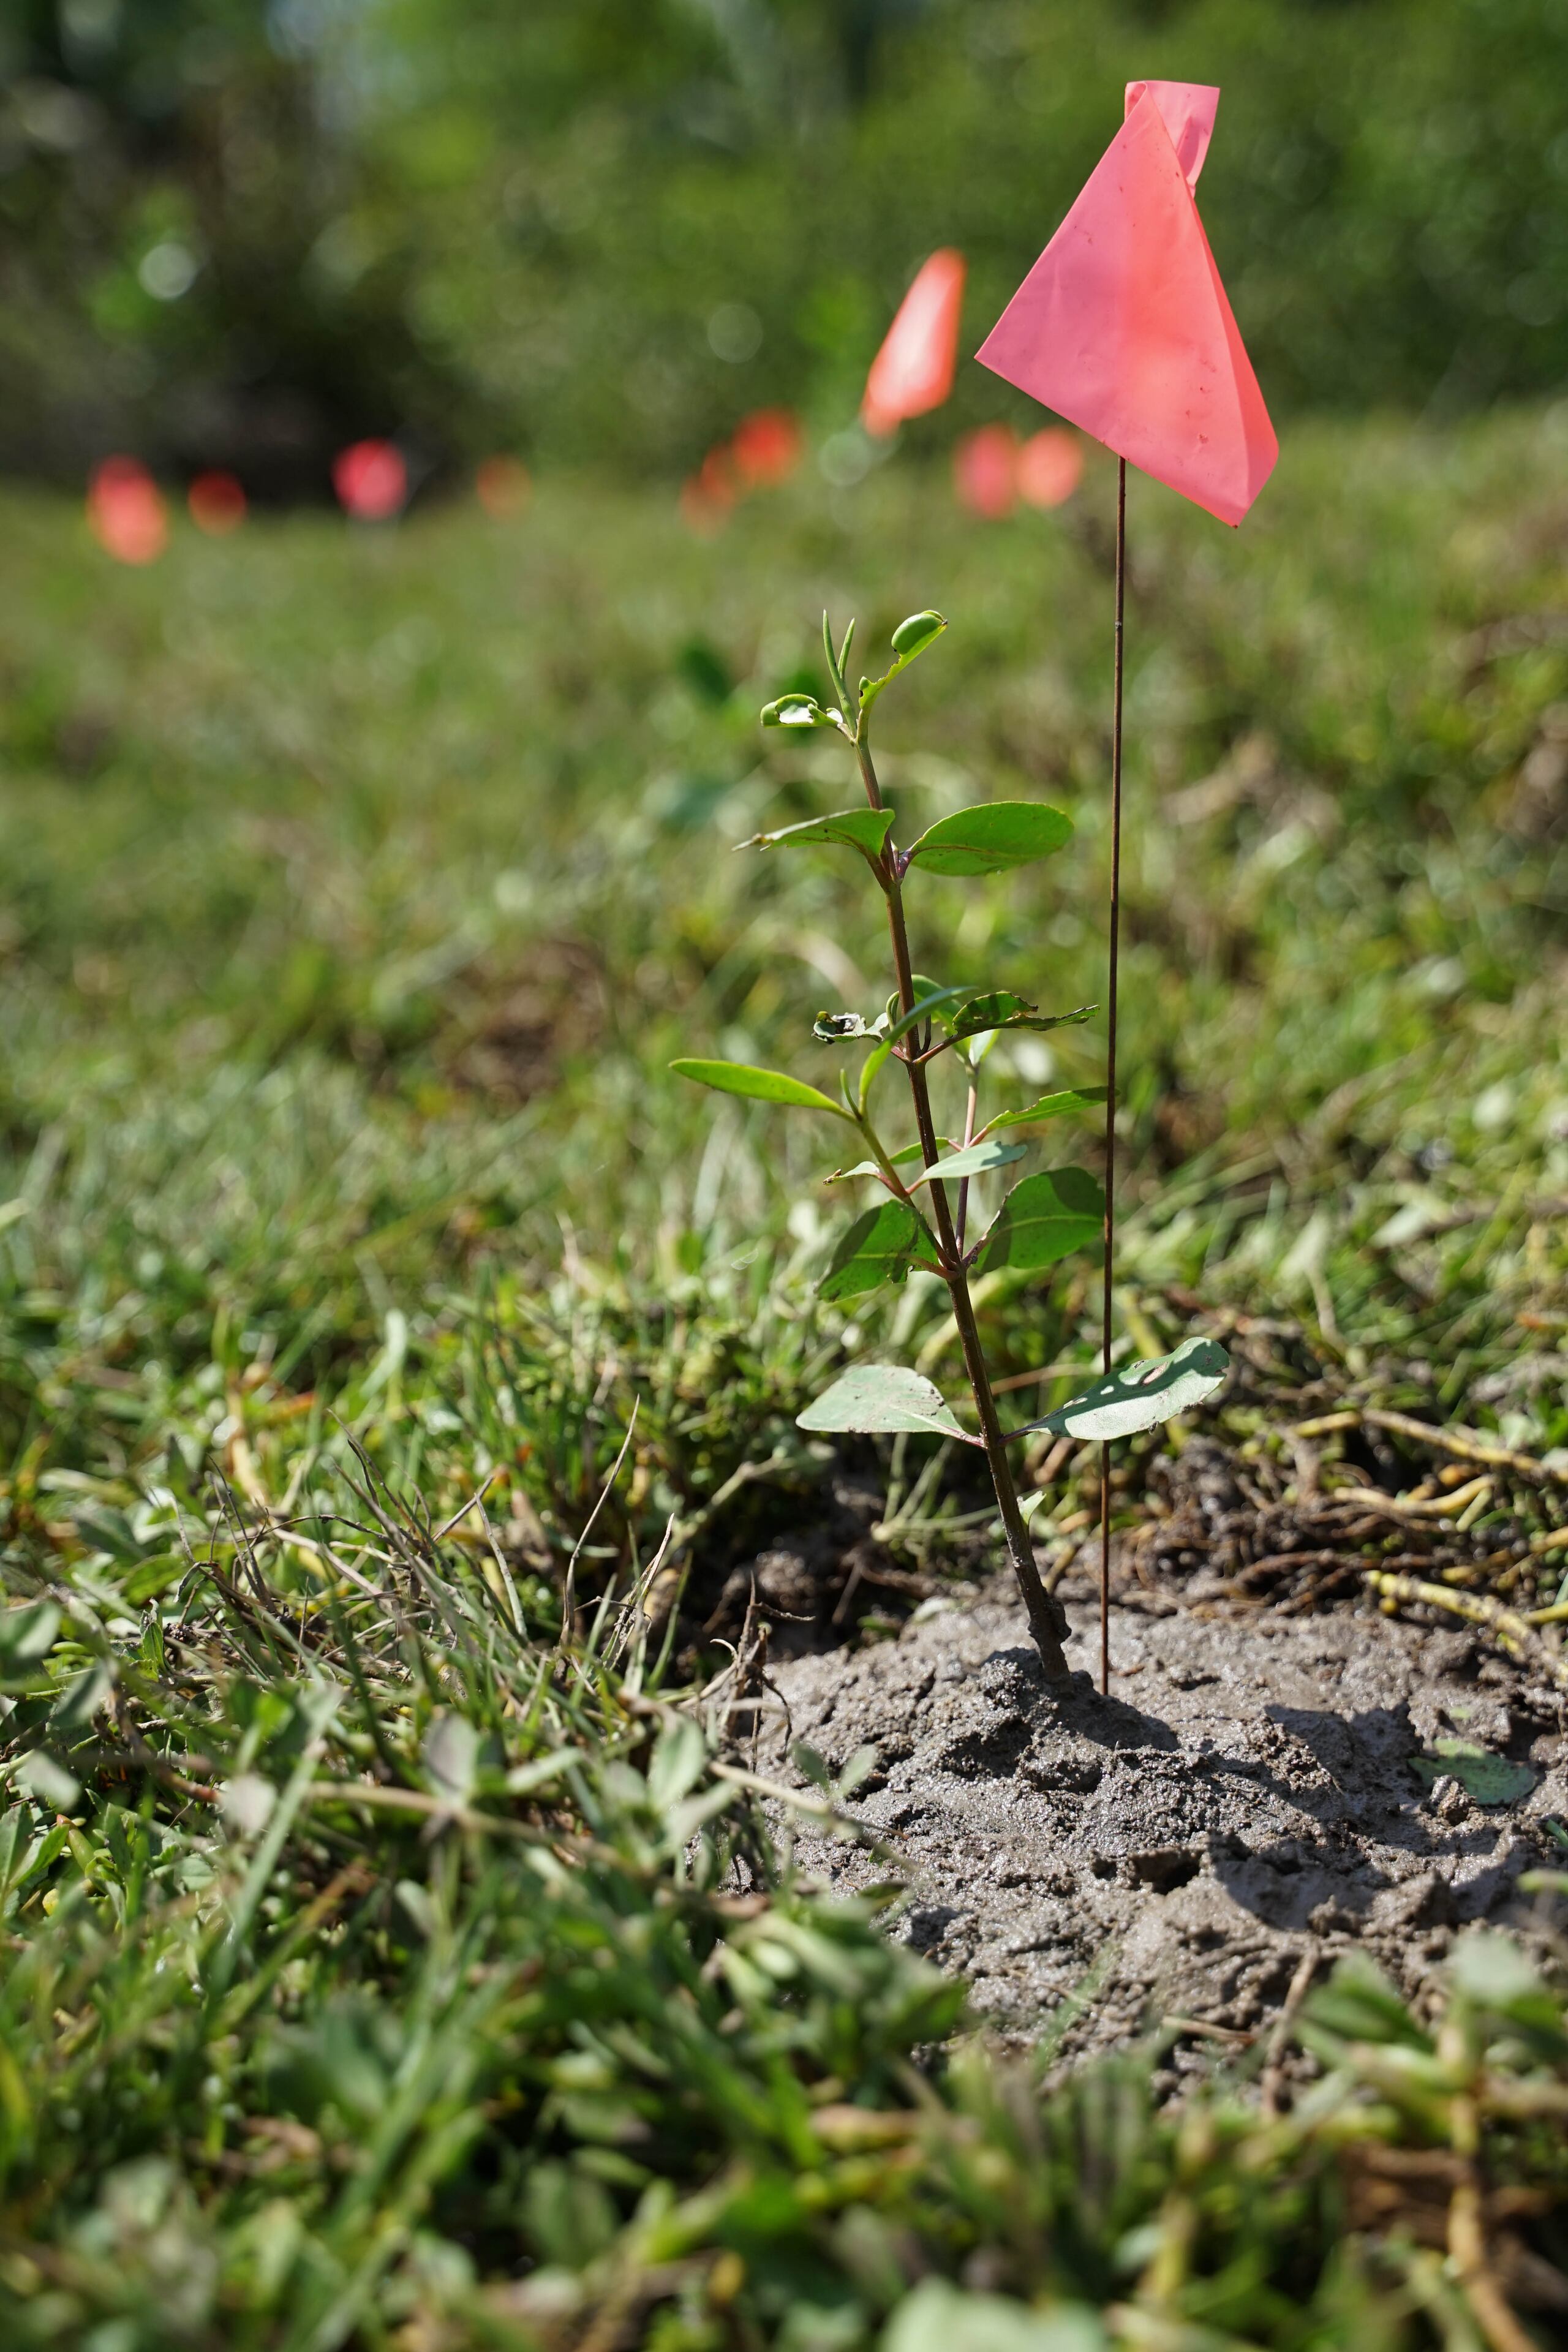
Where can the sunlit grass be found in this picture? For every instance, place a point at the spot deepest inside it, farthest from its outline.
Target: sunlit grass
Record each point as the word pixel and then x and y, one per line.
pixel 356 890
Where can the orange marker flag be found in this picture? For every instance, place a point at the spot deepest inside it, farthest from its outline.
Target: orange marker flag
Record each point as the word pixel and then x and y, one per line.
pixel 913 370
pixel 1122 325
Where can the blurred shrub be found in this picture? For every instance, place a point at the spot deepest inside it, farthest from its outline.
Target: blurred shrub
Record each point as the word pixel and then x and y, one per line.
pixel 177 186
pixel 602 230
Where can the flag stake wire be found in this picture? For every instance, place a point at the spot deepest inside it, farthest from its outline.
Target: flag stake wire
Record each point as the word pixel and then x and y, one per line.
pixel 1110 1061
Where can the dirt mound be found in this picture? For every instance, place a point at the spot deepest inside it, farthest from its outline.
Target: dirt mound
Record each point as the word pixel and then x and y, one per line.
pixel 1244 1806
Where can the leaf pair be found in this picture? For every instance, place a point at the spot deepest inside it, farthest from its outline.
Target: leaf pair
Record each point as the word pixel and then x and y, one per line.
pixel 872 1399
pixel 993 837
pixel 1042 1219
pixel 973 1160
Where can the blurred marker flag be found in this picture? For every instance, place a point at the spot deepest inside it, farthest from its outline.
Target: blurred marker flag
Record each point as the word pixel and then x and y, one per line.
pixel 125 512
pixel 1122 325
pixel 913 371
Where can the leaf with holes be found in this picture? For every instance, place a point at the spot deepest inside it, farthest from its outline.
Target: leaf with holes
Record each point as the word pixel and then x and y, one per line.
pixel 991 838
pixel 878 1248
pixel 1070 1098
pixel 800 710
pixel 758 1085
pixel 1140 1395
pixel 864 829
pixel 883 1397
pixel 1042 1218
pixel 1002 1010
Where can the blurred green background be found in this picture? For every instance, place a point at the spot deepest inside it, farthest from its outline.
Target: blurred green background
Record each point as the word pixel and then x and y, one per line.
pixel 599 231
pixel 358 884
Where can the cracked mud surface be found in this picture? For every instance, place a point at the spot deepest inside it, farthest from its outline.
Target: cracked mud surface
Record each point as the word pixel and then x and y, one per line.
pixel 1243 1801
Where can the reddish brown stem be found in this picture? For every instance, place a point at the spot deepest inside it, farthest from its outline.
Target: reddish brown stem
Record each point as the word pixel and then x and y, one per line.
pixel 1047 1621
pixel 1111 1062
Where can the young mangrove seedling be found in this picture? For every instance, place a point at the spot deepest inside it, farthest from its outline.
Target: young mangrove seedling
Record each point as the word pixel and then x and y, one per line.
pixel 922 1218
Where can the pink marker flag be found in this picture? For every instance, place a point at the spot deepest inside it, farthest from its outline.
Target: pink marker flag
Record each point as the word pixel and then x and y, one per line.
pixel 1122 325
pixel 913 370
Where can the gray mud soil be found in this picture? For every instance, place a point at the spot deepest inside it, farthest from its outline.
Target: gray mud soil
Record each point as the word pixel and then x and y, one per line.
pixel 1240 1812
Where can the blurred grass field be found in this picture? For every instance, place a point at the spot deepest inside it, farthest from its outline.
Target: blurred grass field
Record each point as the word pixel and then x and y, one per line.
pixel 356 888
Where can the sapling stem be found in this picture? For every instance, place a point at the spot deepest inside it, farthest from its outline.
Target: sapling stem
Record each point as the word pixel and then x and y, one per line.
pixel 971 1111
pixel 1046 1620
pixel 1042 1217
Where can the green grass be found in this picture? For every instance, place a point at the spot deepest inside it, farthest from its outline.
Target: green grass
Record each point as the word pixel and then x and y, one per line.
pixel 377 1976
pixel 356 890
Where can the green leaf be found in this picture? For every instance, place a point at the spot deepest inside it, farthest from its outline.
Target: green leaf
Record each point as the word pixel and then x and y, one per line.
pixel 27 1634
pixel 1002 1010
pixel 799 710
pixel 924 1008
pixel 874 1167
pixel 880 1246
pixel 833 1028
pixel 757 1086
pixel 1490 1779
pixel 1070 1098
pixel 995 1010
pixel 922 986
pixel 972 1160
pixel 991 838
pixel 85 1695
pixel 871 1069
pixel 1042 1218
pixel 883 1397
pixel 835 661
pixel 450 1755
pixel 1359 2004
pixel 938 2317
pixel 1141 1395
pixel 680 1755
pixel 1492 1970
pixel 912 636
pixel 842 664
pixel 41 1776
pixel 865 829
pixel 909 640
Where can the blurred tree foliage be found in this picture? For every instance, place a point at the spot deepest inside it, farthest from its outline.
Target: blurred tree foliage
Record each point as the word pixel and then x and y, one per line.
pixel 599 230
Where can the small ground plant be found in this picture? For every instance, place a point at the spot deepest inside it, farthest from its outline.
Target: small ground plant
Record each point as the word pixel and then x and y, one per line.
pixel 924 1220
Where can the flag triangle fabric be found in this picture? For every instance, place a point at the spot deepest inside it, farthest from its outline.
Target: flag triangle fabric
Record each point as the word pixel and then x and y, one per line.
pixel 1122 325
